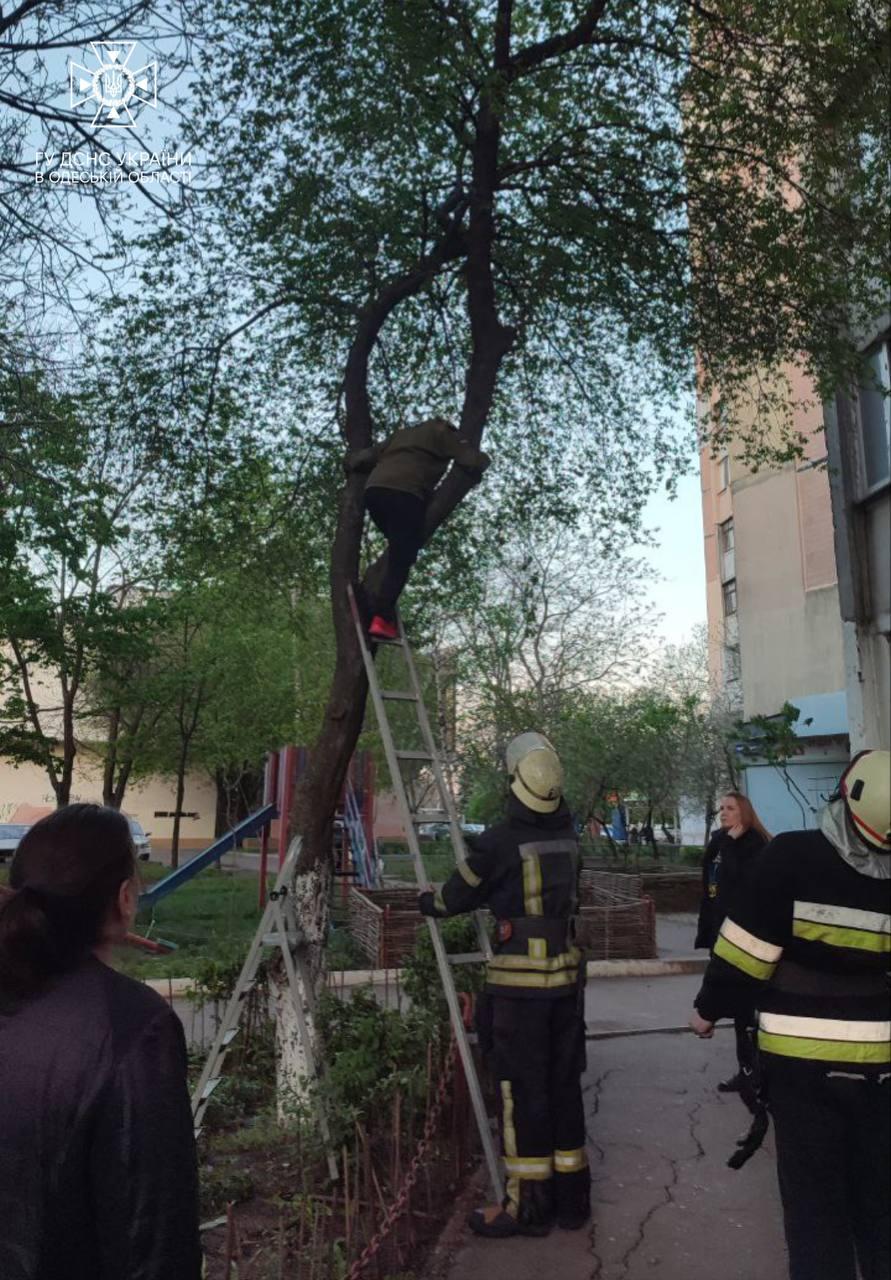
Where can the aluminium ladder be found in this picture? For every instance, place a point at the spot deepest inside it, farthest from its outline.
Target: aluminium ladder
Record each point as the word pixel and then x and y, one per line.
pixel 411 820
pixel 277 929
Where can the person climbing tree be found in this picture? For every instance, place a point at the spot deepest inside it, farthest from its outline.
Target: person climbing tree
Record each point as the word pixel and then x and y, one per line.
pixel 404 471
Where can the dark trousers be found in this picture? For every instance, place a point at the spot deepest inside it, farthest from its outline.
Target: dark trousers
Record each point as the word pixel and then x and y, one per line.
pixel 833 1140
pixel 537 1057
pixel 400 518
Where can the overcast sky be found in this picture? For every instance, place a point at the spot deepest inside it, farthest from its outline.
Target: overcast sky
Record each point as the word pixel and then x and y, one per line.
pixel 679 559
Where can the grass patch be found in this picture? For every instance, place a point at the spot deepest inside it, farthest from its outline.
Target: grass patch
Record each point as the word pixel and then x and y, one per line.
pixel 213 917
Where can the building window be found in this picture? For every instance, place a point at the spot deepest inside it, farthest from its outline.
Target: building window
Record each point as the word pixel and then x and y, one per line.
pixel 729 593
pixel 732 666
pixel 874 414
pixel 724 472
pixel 726 546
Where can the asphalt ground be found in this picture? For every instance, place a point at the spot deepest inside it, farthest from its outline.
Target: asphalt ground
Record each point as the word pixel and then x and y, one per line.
pixel 665 1205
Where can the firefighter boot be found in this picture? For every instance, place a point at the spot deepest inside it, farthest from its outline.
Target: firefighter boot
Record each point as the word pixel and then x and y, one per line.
pixel 532 1217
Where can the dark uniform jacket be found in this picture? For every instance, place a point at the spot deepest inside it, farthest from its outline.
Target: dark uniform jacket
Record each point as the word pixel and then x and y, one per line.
pixel 726 873
pixel 415 459
pixel 98 1175
pixel 526 871
pixel 809 948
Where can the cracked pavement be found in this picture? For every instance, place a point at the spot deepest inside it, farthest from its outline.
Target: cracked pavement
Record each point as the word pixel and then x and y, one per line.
pixel 666 1207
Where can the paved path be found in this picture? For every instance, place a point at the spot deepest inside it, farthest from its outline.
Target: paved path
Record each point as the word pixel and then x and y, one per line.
pixel 666 1207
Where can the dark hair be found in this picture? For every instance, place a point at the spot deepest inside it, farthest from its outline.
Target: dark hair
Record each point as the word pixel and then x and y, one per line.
pixel 63 882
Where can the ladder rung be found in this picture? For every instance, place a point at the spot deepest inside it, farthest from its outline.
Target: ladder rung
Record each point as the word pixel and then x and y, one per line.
pixel 397 695
pixel 229 1037
pixel 415 755
pixel 276 940
pixel 466 957
pixel 209 1087
pixel 430 815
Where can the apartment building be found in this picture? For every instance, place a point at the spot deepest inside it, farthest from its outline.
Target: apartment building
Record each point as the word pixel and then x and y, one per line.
pixel 858 444
pixel 775 627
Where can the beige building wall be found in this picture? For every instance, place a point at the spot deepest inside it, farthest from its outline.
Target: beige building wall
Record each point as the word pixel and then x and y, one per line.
pixel 26 795
pixel 789 621
pixel 775 631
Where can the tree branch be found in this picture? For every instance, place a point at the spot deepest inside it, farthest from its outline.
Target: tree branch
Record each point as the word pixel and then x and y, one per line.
pixel 534 55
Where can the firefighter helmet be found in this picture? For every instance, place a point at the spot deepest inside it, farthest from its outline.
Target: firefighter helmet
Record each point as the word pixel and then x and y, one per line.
pixel 865 787
pixel 535 771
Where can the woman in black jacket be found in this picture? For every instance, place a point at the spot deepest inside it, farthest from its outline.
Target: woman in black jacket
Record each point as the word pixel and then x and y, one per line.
pixel 98 1175
pixel 726 874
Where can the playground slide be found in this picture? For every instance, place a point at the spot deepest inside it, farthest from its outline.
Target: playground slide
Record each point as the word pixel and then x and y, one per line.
pixel 248 826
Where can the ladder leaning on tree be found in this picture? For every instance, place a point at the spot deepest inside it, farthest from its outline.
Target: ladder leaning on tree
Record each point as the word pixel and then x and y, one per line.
pixel 411 819
pixel 277 930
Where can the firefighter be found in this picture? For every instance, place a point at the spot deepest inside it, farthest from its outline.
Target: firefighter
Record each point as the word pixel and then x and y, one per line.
pixel 405 470
pixel 809 948
pixel 525 870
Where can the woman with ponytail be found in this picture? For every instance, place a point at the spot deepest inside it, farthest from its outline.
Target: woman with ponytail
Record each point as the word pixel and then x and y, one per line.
pixel 98 1176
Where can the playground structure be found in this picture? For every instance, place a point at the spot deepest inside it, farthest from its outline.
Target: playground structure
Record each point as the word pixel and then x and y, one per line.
pixel 354 859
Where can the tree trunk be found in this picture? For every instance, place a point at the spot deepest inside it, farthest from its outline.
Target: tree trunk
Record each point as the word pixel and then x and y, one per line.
pixel 318 793
pixel 111 755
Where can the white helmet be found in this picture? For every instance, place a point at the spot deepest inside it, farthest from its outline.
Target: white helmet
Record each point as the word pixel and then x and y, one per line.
pixel 535 771
pixel 866 789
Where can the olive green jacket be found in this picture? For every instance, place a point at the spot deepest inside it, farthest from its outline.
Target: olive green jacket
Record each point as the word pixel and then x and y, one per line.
pixel 415 459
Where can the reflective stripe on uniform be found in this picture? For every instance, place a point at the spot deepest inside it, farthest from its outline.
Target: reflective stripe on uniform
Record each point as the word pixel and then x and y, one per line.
pixel 537 964
pixel 750 943
pixel 468 876
pixel 743 960
pixel 532 1168
pixel 570 1161
pixel 531 881
pixel 823 1050
pixel 507 1119
pixel 538 981
pixel 824 1039
pixel 787 1024
pixel 842 926
pixel 538 949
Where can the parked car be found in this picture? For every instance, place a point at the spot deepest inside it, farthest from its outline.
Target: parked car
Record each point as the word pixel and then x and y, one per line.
pixel 10 835
pixel 473 828
pixel 141 842
pixel 433 830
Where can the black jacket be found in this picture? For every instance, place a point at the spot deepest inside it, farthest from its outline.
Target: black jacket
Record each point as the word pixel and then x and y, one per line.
pixel 809 947
pixel 526 871
pixel 726 874
pixel 98 1175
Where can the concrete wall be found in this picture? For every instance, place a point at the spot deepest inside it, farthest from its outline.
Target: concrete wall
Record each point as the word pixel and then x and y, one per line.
pixel 790 800
pixel 26 794
pixel 790 634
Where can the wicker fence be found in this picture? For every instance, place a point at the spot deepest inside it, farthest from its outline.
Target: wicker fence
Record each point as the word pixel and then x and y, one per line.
pixel 385 924
pixel 616 920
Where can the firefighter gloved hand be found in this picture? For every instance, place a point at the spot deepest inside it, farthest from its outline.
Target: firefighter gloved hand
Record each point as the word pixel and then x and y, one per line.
pixel 425 903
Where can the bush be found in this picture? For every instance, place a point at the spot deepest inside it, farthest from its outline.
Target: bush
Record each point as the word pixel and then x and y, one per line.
pixel 371 1054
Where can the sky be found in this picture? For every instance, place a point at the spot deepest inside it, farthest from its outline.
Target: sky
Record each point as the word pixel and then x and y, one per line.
pixel 678 559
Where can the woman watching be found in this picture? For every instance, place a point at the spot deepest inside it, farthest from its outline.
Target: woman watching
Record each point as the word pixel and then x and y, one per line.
pixel 98 1176
pixel 726 872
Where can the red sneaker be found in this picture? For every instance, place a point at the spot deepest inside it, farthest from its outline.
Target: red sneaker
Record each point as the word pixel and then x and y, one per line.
pixel 381 629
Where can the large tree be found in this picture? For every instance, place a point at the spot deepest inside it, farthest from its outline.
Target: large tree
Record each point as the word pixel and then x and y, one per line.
pixel 529 215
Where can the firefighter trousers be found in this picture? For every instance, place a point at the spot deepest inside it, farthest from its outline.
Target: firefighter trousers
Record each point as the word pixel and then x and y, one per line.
pixel 833 1141
pixel 537 1058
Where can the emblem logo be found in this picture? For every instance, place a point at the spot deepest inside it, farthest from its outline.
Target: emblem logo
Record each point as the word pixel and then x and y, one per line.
pixel 118 90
